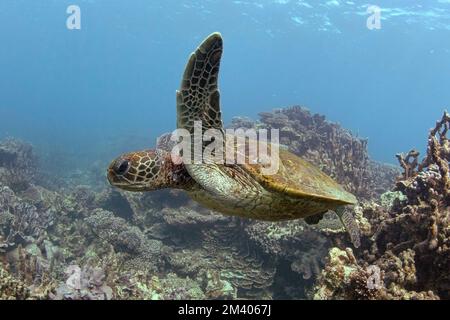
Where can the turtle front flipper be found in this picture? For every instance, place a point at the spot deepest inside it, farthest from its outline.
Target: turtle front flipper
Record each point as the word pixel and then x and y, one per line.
pixel 229 183
pixel 350 224
pixel 198 98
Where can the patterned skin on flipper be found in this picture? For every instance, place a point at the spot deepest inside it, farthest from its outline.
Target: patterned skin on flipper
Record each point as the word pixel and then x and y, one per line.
pixel 350 224
pixel 198 97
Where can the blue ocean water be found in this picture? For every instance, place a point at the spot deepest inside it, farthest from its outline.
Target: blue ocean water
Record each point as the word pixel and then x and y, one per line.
pixel 110 86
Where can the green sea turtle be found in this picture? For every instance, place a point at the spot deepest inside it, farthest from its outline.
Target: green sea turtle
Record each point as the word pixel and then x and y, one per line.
pixel 297 190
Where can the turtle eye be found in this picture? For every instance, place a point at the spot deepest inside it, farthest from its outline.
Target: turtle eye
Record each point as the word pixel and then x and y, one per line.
pixel 122 167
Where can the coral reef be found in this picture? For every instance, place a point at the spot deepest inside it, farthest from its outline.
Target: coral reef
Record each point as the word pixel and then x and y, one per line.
pixel 93 242
pixel 18 164
pixel 142 253
pixel 11 288
pixel 344 278
pixel 85 283
pixel 409 241
pixel 295 242
pixel 21 222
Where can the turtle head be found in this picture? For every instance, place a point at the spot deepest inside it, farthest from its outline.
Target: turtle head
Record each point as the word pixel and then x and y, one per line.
pixel 146 171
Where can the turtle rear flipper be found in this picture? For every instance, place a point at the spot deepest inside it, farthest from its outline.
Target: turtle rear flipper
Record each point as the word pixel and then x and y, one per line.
pixel 350 224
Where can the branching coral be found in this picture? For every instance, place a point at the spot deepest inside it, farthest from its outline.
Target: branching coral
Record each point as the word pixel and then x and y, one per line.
pixel 438 154
pixel 409 163
pixel 410 236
